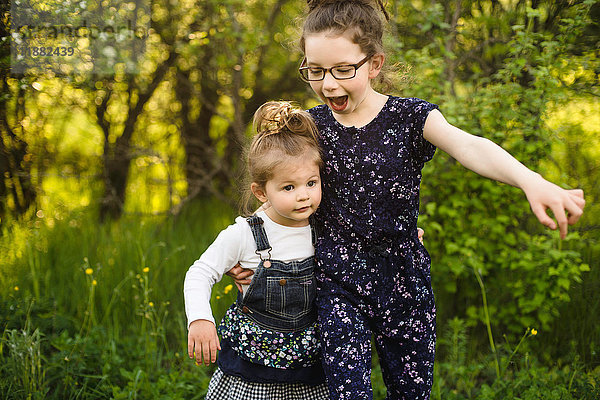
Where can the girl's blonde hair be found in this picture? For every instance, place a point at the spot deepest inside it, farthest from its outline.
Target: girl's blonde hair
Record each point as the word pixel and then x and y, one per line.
pixel 283 131
pixel 361 19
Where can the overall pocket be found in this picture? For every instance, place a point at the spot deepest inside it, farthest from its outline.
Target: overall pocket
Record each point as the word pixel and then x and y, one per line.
pixel 290 297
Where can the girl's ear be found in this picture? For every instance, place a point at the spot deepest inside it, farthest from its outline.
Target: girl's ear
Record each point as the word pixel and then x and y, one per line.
pixel 258 192
pixel 375 65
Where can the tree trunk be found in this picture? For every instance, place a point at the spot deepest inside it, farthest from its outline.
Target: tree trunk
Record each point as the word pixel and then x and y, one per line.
pixel 117 156
pixel 115 171
pixel 15 164
pixel 200 159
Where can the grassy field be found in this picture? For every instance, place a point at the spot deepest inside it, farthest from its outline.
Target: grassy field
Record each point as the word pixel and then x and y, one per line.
pixel 94 310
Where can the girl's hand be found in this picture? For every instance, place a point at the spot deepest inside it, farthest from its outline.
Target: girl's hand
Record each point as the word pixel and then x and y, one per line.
pixel 420 233
pixel 241 276
pixel 203 341
pixel 566 205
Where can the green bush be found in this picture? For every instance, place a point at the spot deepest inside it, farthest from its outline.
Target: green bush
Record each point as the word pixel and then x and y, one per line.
pixel 474 224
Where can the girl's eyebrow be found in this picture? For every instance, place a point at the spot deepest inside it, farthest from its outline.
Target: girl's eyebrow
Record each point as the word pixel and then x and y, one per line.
pixel 291 182
pixel 312 64
pixel 286 182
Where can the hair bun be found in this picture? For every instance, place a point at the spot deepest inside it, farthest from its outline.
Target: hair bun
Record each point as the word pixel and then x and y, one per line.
pixel 312 4
pixel 277 116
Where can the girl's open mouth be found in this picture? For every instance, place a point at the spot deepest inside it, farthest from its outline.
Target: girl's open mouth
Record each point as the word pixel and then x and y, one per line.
pixel 338 103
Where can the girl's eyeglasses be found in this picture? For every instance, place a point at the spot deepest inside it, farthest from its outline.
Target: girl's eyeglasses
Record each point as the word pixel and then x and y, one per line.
pixel 311 74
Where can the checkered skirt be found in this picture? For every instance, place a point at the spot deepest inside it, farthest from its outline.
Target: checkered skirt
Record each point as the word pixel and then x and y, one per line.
pixel 228 387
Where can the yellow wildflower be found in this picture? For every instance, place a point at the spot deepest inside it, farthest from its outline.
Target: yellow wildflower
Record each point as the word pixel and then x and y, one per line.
pixel 94 282
pixel 533 332
pixel 16 288
pixel 151 304
pixel 228 288
pixel 146 269
pixel 89 271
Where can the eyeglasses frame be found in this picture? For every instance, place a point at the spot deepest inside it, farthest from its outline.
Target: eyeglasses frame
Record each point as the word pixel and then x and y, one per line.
pixel 326 70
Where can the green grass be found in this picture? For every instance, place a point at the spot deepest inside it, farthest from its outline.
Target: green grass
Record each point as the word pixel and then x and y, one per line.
pixel 110 294
pixel 95 311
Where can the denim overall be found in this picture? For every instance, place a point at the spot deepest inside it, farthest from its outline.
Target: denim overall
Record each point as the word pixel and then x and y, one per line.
pixel 274 324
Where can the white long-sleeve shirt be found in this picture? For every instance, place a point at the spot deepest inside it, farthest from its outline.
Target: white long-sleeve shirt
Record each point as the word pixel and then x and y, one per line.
pixel 236 244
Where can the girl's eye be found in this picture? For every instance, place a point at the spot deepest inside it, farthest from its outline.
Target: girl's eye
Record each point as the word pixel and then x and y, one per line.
pixel 344 72
pixel 315 72
pixel 287 188
pixel 311 183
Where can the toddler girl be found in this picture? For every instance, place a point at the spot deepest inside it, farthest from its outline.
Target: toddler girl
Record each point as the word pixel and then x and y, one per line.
pixel 268 348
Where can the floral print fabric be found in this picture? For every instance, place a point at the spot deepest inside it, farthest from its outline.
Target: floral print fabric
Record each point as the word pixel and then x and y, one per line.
pixel 373 274
pixel 268 347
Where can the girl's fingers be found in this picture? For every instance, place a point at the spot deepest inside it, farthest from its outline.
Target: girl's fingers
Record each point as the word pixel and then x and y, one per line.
pixel 574 216
pixel 567 211
pixel 574 206
pixel 246 273
pixel 233 272
pixel 198 354
pixel 576 193
pixel 215 345
pixel 576 196
pixel 561 219
pixel 209 351
pixel 206 348
pixel 540 212
pixel 240 275
pixel 190 348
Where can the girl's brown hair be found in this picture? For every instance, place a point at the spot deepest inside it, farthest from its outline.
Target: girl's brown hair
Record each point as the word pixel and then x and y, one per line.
pixel 360 18
pixel 282 131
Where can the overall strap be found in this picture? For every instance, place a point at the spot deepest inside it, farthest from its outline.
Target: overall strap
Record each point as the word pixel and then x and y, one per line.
pixel 260 236
pixel 313 230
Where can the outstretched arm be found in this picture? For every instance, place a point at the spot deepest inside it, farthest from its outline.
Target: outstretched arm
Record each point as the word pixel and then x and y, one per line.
pixel 490 160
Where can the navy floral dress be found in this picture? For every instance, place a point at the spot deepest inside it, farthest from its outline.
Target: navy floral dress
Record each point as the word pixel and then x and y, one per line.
pixel 373 273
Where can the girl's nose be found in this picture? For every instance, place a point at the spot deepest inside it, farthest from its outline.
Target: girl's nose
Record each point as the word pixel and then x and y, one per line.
pixel 329 82
pixel 303 195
